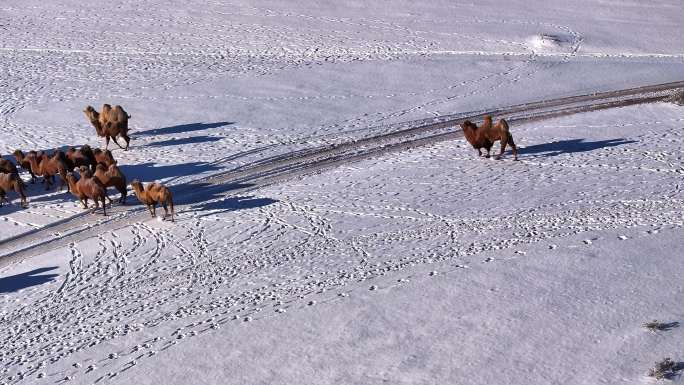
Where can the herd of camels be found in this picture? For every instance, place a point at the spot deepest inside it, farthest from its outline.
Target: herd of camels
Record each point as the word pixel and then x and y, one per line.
pixel 97 170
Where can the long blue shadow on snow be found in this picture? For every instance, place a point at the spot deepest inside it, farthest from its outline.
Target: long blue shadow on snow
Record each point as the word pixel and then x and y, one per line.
pixel 183 128
pixel 17 282
pixel 190 140
pixel 572 146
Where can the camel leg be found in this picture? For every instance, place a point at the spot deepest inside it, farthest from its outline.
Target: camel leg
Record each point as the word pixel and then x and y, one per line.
pixel 106 141
pixel 104 209
pixel 489 149
pixel 513 146
pixel 84 202
pixel 123 193
pixel 19 191
pixel 479 152
pixel 504 141
pixel 117 143
pixel 149 207
pixel 166 210
pixel 127 139
pixel 173 211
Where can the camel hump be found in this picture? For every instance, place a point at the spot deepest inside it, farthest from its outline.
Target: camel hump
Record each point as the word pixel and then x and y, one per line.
pixel 504 124
pixel 488 118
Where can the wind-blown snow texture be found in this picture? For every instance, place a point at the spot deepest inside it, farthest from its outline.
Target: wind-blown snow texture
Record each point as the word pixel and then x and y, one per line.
pixel 417 267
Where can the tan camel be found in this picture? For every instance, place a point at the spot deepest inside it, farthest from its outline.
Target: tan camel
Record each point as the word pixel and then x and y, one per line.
pixel 112 177
pixel 110 123
pixel 9 182
pixel 48 167
pixel 81 157
pixel 23 161
pixel 104 157
pixel 87 188
pixel 487 134
pixel 151 195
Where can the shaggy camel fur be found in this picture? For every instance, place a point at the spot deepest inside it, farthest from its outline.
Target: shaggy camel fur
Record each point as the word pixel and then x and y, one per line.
pixel 110 123
pixel 104 157
pixel 7 166
pixel 82 157
pixel 487 134
pixel 88 188
pixel 151 195
pixel 112 177
pixel 9 182
pixel 49 167
pixel 23 161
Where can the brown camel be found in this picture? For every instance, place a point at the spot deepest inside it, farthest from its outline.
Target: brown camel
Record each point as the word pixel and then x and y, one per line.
pixel 9 182
pixel 112 177
pixel 151 195
pixel 49 167
pixel 23 161
pixel 88 188
pixel 110 123
pixel 487 134
pixel 81 157
pixel 7 166
pixel 104 157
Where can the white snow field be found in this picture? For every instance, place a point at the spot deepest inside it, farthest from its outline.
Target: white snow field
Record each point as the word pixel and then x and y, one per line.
pixel 323 234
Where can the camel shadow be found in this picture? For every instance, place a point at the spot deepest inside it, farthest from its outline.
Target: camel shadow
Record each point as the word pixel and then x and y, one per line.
pixel 181 141
pixel 17 282
pixel 151 171
pixel 183 128
pixel 572 146
pixel 232 204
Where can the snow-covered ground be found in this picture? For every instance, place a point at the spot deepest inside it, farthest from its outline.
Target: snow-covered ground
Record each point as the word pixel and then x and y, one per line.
pixel 416 267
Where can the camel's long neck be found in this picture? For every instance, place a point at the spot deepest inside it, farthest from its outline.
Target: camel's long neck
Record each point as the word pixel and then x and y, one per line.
pixel 73 185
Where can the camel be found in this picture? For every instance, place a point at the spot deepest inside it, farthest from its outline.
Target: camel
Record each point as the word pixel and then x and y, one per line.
pixel 112 177
pixel 49 167
pixel 87 188
pixel 151 195
pixel 110 123
pixel 487 134
pixel 23 161
pixel 7 167
pixel 81 157
pixel 103 157
pixel 11 181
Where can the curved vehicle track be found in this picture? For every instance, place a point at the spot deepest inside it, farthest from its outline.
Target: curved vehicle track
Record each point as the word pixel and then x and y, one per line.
pixel 382 139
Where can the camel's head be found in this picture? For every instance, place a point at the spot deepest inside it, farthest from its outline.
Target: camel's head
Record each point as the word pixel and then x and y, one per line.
pixel 100 168
pixel 91 114
pixel 70 177
pixel 468 125
pixel 85 172
pixel 136 185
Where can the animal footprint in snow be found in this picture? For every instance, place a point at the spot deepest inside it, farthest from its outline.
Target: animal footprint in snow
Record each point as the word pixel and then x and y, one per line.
pixel 553 247
pixel 489 259
pixel 622 237
pixel 587 241
pixel 372 288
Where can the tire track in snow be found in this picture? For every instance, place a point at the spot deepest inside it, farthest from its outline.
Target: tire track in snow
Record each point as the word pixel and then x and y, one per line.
pixel 312 160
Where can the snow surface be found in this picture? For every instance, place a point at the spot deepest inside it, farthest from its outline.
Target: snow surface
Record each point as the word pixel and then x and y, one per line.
pixel 417 267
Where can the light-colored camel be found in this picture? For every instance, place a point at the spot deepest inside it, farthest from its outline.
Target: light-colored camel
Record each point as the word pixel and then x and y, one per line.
pixel 49 167
pixel 485 136
pixel 87 188
pixel 110 123
pixel 151 195
pixel 23 161
pixel 9 182
pixel 112 177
